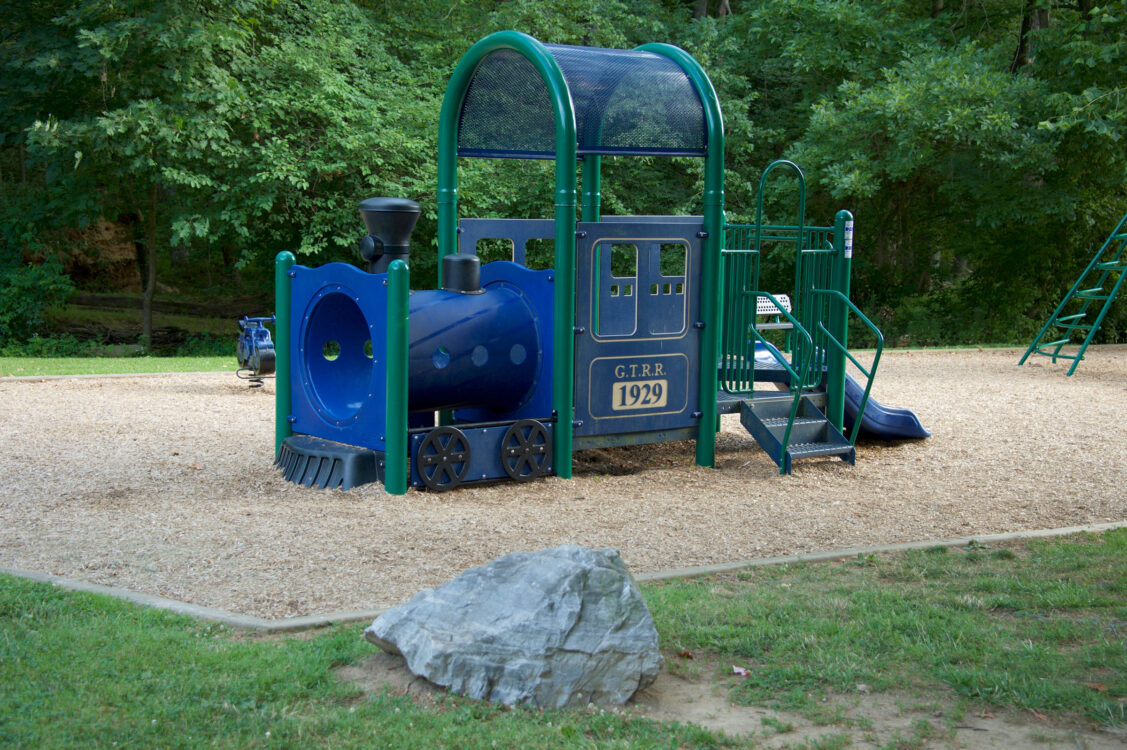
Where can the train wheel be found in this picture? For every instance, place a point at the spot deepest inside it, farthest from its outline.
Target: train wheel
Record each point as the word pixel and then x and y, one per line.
pixel 526 450
pixel 443 458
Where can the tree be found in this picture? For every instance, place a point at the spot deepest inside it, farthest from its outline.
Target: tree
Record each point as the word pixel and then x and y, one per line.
pixel 247 122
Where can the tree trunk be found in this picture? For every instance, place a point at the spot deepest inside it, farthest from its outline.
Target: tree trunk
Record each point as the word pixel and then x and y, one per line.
pixel 936 8
pixel 1034 16
pixel 700 8
pixel 724 9
pixel 150 272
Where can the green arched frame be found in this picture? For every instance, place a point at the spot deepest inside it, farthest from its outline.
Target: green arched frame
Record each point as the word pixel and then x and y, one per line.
pixel 566 158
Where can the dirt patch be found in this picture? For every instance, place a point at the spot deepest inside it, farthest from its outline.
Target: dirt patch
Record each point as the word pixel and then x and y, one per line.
pixel 165 485
pixel 103 253
pixel 701 696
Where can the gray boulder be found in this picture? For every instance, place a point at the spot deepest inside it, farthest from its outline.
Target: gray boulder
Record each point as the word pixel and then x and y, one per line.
pixel 559 628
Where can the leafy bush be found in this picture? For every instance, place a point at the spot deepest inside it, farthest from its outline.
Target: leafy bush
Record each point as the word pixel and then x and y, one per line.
pixel 205 345
pixel 64 345
pixel 26 292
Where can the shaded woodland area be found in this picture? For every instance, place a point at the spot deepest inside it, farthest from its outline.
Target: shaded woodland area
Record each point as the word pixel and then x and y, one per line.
pixel 170 148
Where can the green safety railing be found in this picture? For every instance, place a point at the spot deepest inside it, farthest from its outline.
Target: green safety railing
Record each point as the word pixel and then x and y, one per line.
pixel 819 318
pixel 742 257
pixel 800 374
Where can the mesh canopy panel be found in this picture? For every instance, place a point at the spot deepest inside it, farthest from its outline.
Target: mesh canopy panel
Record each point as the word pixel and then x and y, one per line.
pixel 626 102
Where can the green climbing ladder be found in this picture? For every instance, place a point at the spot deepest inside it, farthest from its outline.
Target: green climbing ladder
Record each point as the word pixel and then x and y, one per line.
pixel 1082 310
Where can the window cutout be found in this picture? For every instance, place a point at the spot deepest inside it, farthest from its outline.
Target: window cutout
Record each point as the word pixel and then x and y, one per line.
pixel 624 260
pixel 615 307
pixel 493 249
pixel 653 288
pixel 680 288
pixel 667 289
pixel 540 254
pixel 331 350
pixel 368 348
pixel 673 259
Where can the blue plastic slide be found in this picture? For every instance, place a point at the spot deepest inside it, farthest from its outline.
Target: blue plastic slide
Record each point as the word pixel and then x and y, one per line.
pixel 879 421
pixel 885 422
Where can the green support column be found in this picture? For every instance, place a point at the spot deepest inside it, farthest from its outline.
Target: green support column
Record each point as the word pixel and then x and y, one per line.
pixel 710 287
pixel 283 262
pixel 395 414
pixel 839 319
pixel 591 204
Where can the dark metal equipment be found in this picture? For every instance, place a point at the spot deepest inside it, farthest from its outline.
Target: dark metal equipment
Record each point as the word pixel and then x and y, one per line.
pixel 255 351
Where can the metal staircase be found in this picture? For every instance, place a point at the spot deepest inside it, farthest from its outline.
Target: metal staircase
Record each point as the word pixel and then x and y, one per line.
pixel 806 434
pixel 1087 302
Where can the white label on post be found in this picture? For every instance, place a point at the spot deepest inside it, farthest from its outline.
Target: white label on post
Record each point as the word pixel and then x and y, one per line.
pixel 849 239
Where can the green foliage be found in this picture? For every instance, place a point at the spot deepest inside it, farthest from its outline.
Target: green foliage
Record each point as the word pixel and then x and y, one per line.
pixel 25 293
pixel 980 185
pixel 46 346
pixel 256 122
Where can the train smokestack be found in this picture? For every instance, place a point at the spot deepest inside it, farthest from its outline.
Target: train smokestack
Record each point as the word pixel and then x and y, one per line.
pixel 390 222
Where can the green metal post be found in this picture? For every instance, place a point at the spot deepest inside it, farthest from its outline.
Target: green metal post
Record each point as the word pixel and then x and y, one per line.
pixel 839 319
pixel 395 426
pixel 590 209
pixel 710 289
pixel 590 206
pixel 563 115
pixel 283 296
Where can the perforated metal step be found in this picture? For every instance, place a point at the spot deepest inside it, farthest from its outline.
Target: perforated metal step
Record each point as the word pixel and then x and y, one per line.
pixel 810 450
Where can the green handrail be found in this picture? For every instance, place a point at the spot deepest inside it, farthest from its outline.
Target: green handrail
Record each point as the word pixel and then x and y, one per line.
pixel 797 382
pixel 807 380
pixel 801 215
pixel 870 373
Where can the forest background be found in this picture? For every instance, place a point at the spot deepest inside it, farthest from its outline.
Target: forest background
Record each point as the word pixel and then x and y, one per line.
pixel 979 143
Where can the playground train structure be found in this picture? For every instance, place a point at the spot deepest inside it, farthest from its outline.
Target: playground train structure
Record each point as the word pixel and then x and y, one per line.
pixel 642 330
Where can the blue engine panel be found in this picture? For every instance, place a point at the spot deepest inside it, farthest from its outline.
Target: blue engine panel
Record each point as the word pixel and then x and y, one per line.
pixel 483 354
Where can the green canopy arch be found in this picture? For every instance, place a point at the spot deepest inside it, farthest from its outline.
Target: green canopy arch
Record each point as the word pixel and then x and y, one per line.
pixel 511 96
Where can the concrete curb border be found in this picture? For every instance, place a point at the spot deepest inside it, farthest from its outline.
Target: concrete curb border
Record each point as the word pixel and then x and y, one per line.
pixel 308 622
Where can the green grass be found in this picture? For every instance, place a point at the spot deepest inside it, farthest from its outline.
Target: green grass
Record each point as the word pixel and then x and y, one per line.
pixel 80 670
pixel 1040 627
pixel 10 366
